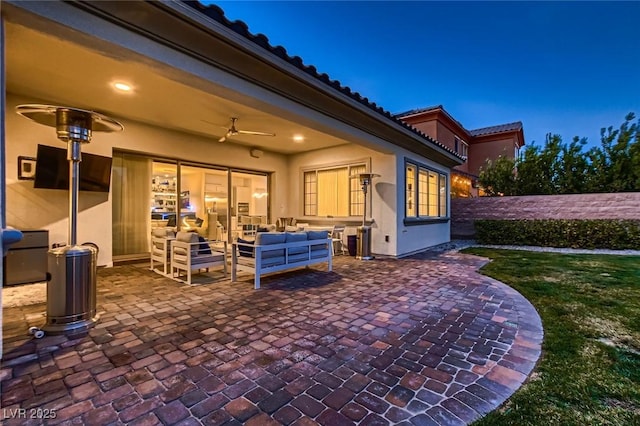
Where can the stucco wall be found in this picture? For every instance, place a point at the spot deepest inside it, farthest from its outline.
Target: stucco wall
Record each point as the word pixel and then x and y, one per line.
pixel 29 208
pixel 573 206
pixel 388 197
pixel 383 194
pixel 416 237
pixel 479 152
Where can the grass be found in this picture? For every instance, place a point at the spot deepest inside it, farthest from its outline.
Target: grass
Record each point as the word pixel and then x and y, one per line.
pixel 589 372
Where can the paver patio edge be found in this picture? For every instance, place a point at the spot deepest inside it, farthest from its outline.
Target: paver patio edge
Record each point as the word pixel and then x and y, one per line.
pixel 435 343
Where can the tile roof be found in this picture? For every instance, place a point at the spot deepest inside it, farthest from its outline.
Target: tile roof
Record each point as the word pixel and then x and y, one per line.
pixel 419 110
pixel 500 128
pixel 429 109
pixel 216 13
pixel 517 125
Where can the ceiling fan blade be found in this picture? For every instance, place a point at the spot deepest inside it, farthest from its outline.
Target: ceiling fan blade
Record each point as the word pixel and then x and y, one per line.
pixel 249 132
pixel 214 124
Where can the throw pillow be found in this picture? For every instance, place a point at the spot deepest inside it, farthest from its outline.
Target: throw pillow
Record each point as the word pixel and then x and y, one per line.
pixel 204 247
pixel 244 250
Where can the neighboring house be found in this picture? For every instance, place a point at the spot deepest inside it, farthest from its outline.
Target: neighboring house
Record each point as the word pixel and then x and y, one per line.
pixel 189 70
pixel 475 146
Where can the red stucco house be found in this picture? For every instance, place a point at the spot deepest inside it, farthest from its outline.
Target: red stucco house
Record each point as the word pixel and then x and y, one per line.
pixel 478 145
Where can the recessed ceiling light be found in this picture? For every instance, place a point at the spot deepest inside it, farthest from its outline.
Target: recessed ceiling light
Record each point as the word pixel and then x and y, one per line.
pixel 122 87
pixel 298 138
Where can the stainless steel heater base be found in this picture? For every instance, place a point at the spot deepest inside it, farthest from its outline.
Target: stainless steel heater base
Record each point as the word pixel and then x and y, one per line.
pixel 71 289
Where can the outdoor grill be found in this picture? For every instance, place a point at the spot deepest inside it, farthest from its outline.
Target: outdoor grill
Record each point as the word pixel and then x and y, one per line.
pixel 72 269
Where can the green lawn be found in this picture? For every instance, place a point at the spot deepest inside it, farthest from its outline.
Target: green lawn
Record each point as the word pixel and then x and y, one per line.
pixel 589 372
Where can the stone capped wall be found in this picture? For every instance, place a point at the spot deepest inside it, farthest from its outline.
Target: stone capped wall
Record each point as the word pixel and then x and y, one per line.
pixel 573 206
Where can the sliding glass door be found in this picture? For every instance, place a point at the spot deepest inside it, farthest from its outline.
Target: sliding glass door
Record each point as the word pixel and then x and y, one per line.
pixel 217 203
pixel 249 203
pixel 164 194
pixel 204 201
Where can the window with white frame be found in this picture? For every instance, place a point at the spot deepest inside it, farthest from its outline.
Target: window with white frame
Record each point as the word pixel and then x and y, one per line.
pixel 332 192
pixel 461 147
pixel 310 194
pixel 410 187
pixel 425 192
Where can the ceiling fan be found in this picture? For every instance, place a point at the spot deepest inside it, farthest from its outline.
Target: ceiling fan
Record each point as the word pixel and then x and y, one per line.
pixel 232 131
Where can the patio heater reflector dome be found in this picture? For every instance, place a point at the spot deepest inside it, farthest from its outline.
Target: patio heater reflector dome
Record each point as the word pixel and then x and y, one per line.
pixel 72 269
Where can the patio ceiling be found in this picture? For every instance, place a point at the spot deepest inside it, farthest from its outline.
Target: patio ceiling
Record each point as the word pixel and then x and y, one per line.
pixel 51 68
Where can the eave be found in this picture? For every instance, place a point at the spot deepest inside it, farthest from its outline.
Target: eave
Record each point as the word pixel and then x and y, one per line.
pixel 220 45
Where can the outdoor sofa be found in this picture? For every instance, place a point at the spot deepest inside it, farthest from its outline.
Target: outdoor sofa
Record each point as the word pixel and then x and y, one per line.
pixel 279 251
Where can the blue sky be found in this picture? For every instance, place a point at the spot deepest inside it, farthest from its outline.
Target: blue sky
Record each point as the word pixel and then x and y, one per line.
pixel 567 68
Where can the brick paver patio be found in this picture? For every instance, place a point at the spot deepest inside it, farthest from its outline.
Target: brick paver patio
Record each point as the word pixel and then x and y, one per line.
pixel 418 341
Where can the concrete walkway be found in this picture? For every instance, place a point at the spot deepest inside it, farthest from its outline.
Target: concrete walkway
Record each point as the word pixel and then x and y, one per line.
pixel 423 340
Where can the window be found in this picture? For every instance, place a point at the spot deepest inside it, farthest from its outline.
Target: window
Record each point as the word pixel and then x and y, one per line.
pixel 332 192
pixel 356 197
pixel 425 192
pixel 310 194
pixel 442 188
pixel 410 190
pixel 461 147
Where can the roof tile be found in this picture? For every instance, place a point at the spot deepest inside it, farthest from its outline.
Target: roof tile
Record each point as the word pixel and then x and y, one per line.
pixel 216 13
pixel 500 128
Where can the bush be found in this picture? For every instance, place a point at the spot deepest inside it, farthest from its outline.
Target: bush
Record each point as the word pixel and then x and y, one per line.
pixel 574 233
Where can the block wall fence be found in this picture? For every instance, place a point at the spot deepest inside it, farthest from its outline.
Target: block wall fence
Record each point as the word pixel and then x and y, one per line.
pixel 464 211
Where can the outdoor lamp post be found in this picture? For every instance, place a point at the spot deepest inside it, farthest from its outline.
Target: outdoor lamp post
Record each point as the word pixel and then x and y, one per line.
pixel 72 269
pixel 363 251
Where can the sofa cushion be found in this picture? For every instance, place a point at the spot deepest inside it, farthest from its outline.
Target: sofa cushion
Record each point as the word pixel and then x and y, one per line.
pixel 296 237
pixel 160 247
pixel 268 238
pixel 265 238
pixel 268 254
pixel 321 252
pixel 162 233
pixel 209 258
pixel 299 257
pixel 158 232
pixel 291 237
pixel 317 247
pixel 317 235
pixel 245 251
pixel 273 261
pixel 187 237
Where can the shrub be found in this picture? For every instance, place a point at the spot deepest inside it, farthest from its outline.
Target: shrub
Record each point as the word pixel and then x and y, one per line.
pixel 574 233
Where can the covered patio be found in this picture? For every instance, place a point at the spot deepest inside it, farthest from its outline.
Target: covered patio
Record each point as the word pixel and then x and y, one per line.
pixel 420 340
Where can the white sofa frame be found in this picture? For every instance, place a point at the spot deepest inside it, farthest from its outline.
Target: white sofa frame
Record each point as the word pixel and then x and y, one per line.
pixel 160 249
pixel 254 265
pixel 203 261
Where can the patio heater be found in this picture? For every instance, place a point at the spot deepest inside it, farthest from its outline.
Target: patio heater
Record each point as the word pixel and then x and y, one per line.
pixel 72 269
pixel 363 251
